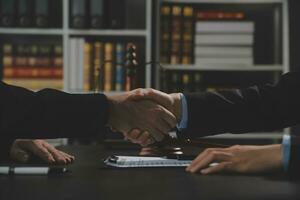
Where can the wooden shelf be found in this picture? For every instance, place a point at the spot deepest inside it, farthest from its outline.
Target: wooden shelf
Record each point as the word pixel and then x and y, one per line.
pixel 225 1
pixel 31 31
pixel 224 68
pixel 120 32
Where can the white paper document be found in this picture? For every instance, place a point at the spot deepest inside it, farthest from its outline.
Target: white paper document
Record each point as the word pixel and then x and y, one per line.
pixel 140 161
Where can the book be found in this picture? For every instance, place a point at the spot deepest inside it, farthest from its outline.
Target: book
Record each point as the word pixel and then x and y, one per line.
pixel 217 15
pixel 97 74
pixel 224 62
pixel 225 27
pixel 87 66
pixel 41 12
pixel 223 51
pixel 78 14
pixel 108 66
pixel 116 14
pixel 96 13
pixel 176 35
pixel 33 72
pixel 7 50
pixel 135 17
pixel 165 34
pixel 120 68
pixel 187 35
pixel 35 84
pixel 8 13
pixel 224 39
pixel 25 11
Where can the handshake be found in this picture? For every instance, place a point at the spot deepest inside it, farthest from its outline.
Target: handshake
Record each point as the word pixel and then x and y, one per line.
pixel 144 116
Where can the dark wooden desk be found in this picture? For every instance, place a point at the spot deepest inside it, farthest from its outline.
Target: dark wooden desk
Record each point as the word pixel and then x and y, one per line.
pixel 90 180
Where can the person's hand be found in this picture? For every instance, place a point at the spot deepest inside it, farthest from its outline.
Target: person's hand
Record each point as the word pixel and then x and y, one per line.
pixel 151 119
pixel 239 159
pixel 172 102
pixel 21 150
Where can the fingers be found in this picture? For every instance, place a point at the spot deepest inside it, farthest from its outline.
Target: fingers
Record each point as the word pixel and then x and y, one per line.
pixel 169 118
pixel 204 160
pixel 137 136
pixel 42 152
pixel 59 156
pixel 46 152
pixel 220 167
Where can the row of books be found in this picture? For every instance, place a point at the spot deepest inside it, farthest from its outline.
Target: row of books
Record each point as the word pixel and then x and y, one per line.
pixel 110 14
pixel 31 13
pixel 33 65
pixel 97 65
pixel 217 38
pixel 224 43
pixel 177 34
pixel 195 81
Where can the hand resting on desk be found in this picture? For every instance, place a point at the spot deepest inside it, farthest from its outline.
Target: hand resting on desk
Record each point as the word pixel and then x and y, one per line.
pixel 239 159
pixel 21 151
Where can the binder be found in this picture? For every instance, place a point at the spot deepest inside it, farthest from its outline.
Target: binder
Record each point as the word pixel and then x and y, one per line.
pixel 96 14
pixel 78 14
pixel 8 13
pixel 41 13
pixel 25 10
pixel 116 14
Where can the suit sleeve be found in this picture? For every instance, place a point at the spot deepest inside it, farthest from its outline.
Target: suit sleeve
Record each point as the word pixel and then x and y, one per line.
pixel 50 113
pixel 257 108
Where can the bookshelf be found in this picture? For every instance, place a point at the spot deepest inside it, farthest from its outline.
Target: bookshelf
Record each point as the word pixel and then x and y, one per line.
pixel 66 32
pixel 281 31
pixel 268 70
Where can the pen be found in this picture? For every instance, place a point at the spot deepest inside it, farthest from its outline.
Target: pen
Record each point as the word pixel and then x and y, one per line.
pixel 31 170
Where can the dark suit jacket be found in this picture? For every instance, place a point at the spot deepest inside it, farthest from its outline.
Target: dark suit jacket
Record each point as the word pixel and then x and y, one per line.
pixel 257 108
pixel 48 114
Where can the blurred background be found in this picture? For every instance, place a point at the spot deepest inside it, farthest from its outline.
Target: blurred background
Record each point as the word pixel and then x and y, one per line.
pixel 82 46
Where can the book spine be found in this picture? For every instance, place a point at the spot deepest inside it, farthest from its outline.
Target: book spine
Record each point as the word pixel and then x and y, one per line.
pixel 87 66
pixel 25 10
pixel 97 14
pixel 42 10
pixel 176 36
pixel 165 29
pixel 188 35
pixel 8 13
pixel 98 69
pixel 116 14
pixel 108 66
pixel 33 72
pixel 120 72
pixel 78 14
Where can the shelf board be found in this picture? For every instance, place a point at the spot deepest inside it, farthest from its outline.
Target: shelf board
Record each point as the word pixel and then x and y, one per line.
pixel 31 31
pixel 258 135
pixel 119 32
pixel 225 1
pixel 224 68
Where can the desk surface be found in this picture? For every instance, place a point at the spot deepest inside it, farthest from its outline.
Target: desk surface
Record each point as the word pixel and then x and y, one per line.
pixel 90 180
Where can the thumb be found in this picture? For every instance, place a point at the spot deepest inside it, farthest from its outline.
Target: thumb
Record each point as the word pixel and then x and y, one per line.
pixel 159 97
pixel 19 155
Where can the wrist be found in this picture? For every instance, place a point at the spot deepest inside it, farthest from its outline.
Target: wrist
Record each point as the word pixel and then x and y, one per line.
pixel 177 108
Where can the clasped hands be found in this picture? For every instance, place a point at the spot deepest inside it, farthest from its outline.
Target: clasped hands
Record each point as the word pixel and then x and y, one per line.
pixel 144 116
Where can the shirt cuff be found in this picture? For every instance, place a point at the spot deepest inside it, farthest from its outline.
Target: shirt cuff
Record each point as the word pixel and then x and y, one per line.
pixel 184 113
pixel 286 151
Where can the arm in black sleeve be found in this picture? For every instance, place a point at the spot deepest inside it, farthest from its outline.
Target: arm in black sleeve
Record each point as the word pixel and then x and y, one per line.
pixel 258 108
pixel 50 113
